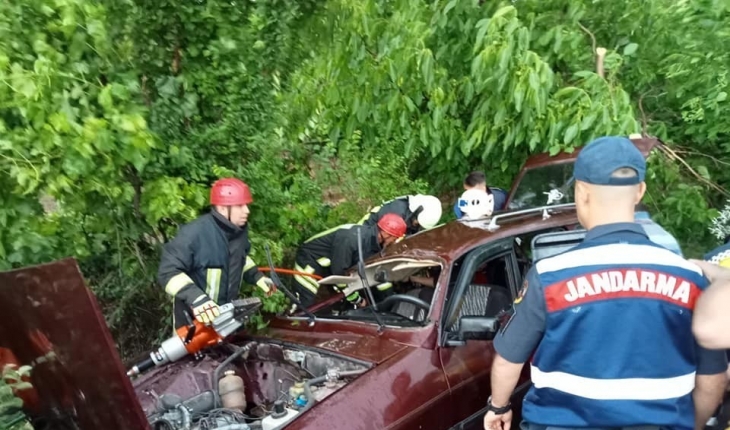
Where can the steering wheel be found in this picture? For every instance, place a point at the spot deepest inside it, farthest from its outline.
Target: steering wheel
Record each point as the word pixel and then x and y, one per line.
pixel 390 301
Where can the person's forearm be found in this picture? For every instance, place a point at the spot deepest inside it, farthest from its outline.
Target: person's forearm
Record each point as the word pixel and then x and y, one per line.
pixel 505 375
pixel 711 317
pixel 423 280
pixel 707 396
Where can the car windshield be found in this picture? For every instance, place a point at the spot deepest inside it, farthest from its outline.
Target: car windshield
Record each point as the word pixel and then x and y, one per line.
pixel 403 290
pixel 546 185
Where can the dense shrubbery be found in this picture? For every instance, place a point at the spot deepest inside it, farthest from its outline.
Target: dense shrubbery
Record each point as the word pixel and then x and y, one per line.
pixel 119 114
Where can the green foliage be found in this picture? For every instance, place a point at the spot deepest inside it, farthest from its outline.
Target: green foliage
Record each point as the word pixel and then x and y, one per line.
pixel 457 83
pixel 674 66
pixel 11 414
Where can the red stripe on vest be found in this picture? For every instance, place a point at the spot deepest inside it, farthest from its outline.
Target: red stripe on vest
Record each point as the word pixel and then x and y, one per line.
pixel 618 284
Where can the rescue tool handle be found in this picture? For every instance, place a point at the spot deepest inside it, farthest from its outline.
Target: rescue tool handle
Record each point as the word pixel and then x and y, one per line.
pixel 277 281
pixel 191 333
pixel 145 365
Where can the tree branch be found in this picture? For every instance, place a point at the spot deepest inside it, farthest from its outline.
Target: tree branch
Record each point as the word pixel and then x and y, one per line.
pixel 136 182
pixel 643 114
pixel 673 155
pixel 593 38
pixel 600 55
pixel 688 152
pixel 598 52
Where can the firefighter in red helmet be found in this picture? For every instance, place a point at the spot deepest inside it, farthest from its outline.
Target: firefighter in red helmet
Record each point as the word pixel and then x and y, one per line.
pixel 204 265
pixel 334 251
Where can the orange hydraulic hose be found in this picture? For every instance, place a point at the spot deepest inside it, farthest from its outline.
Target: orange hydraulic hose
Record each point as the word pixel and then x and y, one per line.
pixel 290 272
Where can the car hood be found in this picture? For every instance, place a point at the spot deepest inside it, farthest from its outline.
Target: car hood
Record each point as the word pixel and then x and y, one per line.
pixel 50 321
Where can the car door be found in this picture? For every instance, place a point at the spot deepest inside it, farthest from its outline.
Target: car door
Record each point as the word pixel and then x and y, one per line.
pixel 485 284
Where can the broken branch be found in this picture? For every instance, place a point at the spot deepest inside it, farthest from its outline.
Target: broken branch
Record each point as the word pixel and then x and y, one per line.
pixel 600 55
pixel 673 155
pixel 593 38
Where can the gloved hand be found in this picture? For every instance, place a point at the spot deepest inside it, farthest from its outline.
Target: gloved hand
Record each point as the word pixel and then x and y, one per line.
pixel 205 310
pixel 267 285
pixel 361 302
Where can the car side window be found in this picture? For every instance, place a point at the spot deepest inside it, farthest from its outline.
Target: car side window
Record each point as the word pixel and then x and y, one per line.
pixel 484 289
pixel 524 251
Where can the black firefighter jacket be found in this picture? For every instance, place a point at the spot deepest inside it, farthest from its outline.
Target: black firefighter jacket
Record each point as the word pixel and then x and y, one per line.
pixel 398 206
pixel 334 251
pixel 208 256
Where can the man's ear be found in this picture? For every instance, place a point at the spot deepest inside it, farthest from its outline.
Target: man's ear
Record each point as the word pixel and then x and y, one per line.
pixel 581 192
pixel 640 192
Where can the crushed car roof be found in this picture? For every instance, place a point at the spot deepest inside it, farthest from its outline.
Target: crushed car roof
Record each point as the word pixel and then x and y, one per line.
pixel 451 240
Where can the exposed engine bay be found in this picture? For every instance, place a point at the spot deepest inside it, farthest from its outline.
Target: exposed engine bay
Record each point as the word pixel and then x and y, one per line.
pixel 259 385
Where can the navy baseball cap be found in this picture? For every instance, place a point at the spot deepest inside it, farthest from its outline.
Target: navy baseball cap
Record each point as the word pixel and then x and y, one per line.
pixel 598 160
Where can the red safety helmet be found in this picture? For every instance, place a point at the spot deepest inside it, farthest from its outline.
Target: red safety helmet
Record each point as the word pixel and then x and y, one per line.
pixel 230 192
pixel 393 225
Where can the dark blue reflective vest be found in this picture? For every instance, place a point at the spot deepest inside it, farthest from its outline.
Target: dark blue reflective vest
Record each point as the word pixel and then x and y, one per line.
pixel 618 348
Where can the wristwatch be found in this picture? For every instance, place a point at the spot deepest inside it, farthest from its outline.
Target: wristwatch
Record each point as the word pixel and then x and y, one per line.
pixel 496 410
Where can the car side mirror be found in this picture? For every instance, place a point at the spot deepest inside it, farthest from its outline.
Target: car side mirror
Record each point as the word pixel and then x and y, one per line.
pixel 478 328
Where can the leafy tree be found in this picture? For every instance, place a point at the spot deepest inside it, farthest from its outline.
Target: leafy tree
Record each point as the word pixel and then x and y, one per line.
pixel 456 83
pixel 674 64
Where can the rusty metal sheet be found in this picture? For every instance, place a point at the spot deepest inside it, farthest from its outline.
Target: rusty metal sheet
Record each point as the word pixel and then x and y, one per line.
pixel 50 321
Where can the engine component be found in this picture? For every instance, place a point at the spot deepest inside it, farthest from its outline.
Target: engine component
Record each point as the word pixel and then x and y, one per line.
pixel 332 376
pixel 199 403
pixel 178 418
pixel 234 387
pixel 318 364
pixel 222 419
pixel 231 391
pixel 279 416
pixel 174 414
pixel 296 390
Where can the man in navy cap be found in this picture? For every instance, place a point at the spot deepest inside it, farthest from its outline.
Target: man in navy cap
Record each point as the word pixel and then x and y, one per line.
pixel 608 324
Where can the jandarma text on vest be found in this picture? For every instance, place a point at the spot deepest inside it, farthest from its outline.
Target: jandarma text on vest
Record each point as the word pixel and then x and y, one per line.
pixel 626 283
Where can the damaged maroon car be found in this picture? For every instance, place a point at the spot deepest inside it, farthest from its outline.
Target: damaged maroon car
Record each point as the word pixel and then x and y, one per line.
pixel 419 357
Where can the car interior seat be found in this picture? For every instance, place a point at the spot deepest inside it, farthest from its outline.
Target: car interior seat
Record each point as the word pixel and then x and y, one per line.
pixel 412 311
pixel 483 300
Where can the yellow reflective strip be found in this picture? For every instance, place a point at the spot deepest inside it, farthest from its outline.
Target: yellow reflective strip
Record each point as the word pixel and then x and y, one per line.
pixel 249 263
pixel 324 262
pixel 208 282
pixel 214 283
pixel 326 232
pixel 308 269
pixel 374 210
pixel 176 283
pixel 384 286
pixel 305 282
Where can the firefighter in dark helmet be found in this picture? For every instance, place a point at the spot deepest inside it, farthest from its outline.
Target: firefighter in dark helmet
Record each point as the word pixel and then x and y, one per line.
pixel 204 265
pixel 334 251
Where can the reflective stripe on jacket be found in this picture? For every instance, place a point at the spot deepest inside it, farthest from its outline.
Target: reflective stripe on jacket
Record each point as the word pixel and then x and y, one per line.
pixel 209 255
pixel 334 251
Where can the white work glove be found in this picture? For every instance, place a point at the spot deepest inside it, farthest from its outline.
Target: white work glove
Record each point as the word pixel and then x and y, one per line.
pixel 205 310
pixel 266 285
